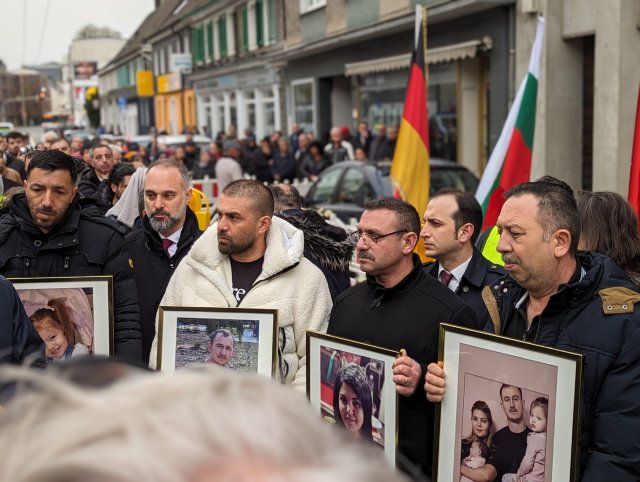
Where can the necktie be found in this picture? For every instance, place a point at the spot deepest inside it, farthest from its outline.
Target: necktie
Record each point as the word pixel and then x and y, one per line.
pixel 166 242
pixel 445 277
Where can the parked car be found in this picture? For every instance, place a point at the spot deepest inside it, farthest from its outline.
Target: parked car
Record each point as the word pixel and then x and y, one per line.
pixel 6 127
pixel 345 187
pixel 173 141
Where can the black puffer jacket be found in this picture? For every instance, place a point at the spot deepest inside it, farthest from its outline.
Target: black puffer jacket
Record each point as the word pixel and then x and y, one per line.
pixel 153 270
pixel 18 339
pixel 83 243
pixel 596 316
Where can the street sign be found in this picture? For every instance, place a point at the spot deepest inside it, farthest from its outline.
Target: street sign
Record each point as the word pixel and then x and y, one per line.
pixel 122 103
pixel 180 62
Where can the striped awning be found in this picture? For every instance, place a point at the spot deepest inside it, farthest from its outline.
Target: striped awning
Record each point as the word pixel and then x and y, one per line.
pixel 438 55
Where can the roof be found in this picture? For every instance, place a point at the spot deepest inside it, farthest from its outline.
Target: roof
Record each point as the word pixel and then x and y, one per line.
pixel 149 26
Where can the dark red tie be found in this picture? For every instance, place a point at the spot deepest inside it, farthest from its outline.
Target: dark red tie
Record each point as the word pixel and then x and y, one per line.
pixel 166 242
pixel 445 277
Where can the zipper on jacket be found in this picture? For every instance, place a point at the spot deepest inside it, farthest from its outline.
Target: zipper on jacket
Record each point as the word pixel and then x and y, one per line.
pixel 27 263
pixel 66 265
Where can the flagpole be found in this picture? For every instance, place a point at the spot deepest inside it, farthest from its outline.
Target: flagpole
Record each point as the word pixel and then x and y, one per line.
pixel 424 45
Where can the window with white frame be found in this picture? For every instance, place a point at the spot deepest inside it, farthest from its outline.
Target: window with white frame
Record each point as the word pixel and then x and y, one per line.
pixel 307 6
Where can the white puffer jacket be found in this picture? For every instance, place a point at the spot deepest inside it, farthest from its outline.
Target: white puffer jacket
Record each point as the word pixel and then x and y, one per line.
pixel 288 282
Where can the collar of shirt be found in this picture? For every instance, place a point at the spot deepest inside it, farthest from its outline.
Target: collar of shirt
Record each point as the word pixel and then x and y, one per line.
pixel 175 237
pixel 457 272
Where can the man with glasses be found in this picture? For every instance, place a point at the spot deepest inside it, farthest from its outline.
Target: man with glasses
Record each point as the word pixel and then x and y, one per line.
pixel 399 307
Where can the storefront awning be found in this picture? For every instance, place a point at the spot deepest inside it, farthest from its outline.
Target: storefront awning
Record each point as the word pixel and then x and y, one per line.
pixel 439 55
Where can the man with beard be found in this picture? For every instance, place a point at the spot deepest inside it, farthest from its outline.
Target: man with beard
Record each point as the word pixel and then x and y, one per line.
pixel 251 259
pixel 96 180
pixel 50 231
pixel 579 301
pixel 169 229
pixel 399 307
pixel 220 347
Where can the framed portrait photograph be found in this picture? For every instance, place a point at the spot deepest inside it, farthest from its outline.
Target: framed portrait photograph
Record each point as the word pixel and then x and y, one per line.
pixel 72 315
pixel 350 384
pixel 510 412
pixel 237 338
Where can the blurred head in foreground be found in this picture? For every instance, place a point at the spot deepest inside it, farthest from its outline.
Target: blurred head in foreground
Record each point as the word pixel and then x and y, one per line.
pixel 197 424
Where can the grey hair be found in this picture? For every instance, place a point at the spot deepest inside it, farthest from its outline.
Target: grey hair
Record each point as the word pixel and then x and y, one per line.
pixel 168 163
pixel 167 426
pixel 100 146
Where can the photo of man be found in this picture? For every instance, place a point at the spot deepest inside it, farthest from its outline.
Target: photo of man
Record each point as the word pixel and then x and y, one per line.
pixel 220 347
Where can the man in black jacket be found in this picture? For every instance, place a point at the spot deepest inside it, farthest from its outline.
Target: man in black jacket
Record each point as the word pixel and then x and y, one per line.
pixel 96 179
pixel 580 302
pixel 400 308
pixel 167 222
pixel 49 231
pixel 452 224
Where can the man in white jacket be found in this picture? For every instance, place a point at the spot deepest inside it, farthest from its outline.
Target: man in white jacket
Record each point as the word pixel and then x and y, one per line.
pixel 253 260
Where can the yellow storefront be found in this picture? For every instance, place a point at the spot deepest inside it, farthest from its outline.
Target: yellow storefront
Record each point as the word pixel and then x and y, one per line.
pixel 175 108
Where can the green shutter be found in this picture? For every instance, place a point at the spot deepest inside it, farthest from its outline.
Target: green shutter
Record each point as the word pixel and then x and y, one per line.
pixel 201 42
pixel 222 33
pixel 210 39
pixel 271 7
pixel 259 22
pixel 194 45
pixel 245 28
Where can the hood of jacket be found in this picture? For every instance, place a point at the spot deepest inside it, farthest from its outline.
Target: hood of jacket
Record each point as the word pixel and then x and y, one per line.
pixel 285 249
pixel 329 245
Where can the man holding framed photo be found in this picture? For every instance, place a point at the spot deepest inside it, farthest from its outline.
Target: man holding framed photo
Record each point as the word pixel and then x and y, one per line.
pixel 576 301
pixel 251 259
pixel 399 307
pixel 49 231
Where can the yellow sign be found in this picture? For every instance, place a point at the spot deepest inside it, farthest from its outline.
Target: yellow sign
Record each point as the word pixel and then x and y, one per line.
pixel 144 83
pixel 169 82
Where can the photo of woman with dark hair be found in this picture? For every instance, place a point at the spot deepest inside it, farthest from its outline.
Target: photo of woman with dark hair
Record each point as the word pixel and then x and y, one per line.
pixel 352 402
pixel 476 447
pixel 57 329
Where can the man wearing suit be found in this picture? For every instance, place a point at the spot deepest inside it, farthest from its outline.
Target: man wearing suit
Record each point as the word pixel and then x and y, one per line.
pixel 452 224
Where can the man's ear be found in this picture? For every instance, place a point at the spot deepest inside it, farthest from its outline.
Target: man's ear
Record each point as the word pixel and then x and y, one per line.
pixel 411 239
pixel 264 223
pixel 465 232
pixel 562 242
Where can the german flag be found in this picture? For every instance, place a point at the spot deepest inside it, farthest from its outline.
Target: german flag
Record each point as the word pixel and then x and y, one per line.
pixel 410 167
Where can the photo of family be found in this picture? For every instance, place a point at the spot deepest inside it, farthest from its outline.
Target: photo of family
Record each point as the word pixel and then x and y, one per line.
pixel 244 340
pixel 511 410
pixel 351 393
pixel 72 315
pixel 504 431
pixel 349 384
pixel 229 343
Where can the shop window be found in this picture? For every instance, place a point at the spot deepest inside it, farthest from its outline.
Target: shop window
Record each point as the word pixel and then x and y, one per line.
pixel 303 105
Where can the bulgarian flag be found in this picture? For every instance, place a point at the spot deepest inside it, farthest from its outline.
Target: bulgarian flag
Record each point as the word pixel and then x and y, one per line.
pixel 634 176
pixel 410 167
pixel 510 161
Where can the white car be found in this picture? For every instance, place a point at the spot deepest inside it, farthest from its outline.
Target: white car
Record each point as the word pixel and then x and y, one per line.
pixel 173 141
pixel 6 127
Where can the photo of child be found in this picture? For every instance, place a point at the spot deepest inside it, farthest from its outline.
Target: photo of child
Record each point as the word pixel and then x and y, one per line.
pixel 532 466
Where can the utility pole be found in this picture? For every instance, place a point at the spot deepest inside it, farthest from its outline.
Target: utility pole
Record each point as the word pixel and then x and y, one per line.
pixel 23 101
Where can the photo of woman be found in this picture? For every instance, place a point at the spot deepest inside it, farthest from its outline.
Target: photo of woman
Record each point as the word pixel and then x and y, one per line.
pixel 56 327
pixel 352 402
pixel 476 447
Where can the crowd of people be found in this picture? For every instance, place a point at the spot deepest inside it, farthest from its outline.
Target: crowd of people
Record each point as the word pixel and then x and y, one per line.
pixel 570 281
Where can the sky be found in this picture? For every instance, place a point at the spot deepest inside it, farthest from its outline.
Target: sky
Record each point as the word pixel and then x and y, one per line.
pixel 52 24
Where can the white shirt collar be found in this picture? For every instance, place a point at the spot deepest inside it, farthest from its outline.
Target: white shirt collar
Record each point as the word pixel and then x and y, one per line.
pixel 457 272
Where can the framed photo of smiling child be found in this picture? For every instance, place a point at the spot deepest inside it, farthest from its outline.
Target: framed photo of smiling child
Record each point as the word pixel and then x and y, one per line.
pixel 350 384
pixel 511 410
pixel 72 315
pixel 237 338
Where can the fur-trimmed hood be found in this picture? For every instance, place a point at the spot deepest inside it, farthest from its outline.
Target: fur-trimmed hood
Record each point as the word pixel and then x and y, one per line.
pixel 329 245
